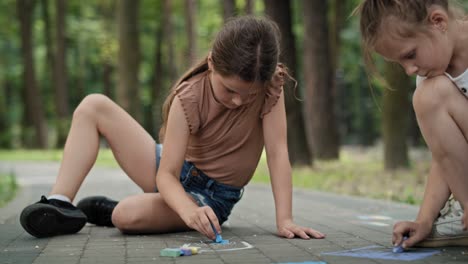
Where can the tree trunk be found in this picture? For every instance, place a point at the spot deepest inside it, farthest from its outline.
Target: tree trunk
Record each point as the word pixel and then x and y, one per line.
pixel 108 64
pixel 60 84
pixel 320 115
pixel 249 7
pixel 337 20
pixel 107 79
pixel 34 132
pixel 5 132
pixel 299 152
pixel 49 44
pixel 190 25
pixel 128 95
pixel 395 118
pixel 229 9
pixel 167 31
pixel 153 114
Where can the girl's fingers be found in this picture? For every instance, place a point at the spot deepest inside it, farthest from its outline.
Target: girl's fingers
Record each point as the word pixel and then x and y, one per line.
pixel 205 225
pixel 213 219
pixel 287 234
pixel 312 233
pixel 302 232
pixel 409 229
pixel 207 221
pixel 315 233
pixel 299 231
pixel 399 229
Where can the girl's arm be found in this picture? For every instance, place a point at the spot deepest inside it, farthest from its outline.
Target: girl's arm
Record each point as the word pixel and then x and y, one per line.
pixel 436 194
pixel 168 176
pixel 274 132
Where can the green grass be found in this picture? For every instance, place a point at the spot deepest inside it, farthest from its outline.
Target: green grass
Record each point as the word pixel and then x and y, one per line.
pixel 358 172
pixel 8 187
pixel 105 157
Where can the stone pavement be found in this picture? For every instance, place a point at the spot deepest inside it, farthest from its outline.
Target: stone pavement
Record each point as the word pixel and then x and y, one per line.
pixel 348 222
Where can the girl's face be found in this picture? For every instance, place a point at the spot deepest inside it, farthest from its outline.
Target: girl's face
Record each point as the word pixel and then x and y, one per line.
pixel 425 54
pixel 232 91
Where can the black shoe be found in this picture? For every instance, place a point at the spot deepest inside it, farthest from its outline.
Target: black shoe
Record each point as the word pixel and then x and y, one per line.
pixel 98 209
pixel 52 217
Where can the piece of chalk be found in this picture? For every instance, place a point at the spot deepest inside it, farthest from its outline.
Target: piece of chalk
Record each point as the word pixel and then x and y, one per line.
pixel 193 250
pixel 170 252
pixel 186 251
pixel 218 238
pixel 399 248
pixel 224 242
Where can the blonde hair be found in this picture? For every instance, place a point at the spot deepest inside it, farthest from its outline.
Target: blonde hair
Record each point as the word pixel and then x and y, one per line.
pixel 413 12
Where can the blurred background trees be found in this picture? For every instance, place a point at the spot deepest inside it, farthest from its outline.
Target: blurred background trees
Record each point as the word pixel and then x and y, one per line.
pixel 55 52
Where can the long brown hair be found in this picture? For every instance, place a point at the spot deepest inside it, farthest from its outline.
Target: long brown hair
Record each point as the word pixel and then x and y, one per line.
pixel 247 47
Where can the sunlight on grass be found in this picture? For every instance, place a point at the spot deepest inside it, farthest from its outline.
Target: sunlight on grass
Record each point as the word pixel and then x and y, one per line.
pixel 105 156
pixel 358 172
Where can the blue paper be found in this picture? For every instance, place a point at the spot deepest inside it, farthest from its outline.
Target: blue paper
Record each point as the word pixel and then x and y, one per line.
pixel 378 252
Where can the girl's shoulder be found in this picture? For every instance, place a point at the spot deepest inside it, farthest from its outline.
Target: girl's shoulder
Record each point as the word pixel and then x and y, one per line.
pixel 190 94
pixel 460 81
pixel 193 82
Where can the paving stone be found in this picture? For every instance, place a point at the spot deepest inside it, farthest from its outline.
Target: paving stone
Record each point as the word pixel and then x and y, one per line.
pixel 251 227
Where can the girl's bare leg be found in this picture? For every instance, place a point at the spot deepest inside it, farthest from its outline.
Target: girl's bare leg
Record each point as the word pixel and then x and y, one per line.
pixel 441 112
pixel 146 213
pixel 134 150
pixel 132 146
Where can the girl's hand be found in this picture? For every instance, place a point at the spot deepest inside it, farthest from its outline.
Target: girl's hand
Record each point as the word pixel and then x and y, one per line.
pixel 416 231
pixel 288 229
pixel 200 218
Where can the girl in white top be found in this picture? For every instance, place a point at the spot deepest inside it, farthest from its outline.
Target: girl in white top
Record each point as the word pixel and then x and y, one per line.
pixel 428 39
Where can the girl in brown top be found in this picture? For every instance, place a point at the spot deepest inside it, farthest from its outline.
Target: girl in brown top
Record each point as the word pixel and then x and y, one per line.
pixel 217 119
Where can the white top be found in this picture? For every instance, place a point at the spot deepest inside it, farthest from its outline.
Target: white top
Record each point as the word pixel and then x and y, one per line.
pixel 460 81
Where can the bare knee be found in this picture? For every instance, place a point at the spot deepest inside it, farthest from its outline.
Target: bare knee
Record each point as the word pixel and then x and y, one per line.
pixel 433 95
pixel 91 106
pixel 125 217
pixel 432 101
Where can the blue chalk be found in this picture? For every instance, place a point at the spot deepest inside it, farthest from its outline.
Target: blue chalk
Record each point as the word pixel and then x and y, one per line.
pixel 219 238
pixel 399 248
pixel 223 242
pixel 186 251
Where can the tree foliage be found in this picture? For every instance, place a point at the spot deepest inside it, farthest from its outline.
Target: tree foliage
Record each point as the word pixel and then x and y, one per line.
pixel 92 50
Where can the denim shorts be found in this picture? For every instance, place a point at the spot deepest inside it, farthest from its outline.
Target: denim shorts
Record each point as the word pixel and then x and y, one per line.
pixel 206 191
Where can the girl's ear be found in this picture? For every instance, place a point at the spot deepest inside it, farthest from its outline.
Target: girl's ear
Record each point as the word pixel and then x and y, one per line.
pixel 438 18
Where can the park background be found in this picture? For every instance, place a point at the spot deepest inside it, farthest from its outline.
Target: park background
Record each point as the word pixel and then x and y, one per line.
pixel 348 132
